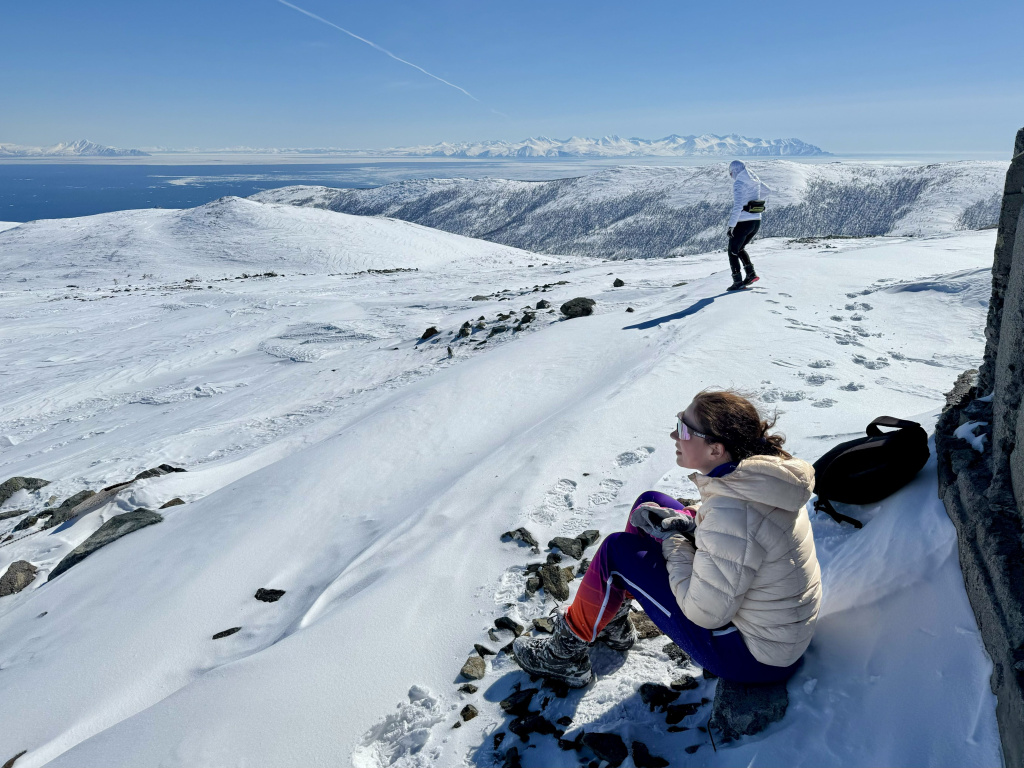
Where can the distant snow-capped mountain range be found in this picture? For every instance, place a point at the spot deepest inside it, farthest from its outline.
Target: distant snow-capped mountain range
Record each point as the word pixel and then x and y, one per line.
pixel 80 148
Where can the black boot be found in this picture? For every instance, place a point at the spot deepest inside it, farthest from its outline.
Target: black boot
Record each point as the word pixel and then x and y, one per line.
pixel 619 634
pixel 737 282
pixel 748 268
pixel 562 657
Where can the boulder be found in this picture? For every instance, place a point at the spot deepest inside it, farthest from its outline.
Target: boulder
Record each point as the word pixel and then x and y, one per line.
pixel 744 710
pixel 27 523
pixel 512 759
pixel 685 683
pixel 518 704
pixel 479 298
pixel 553 580
pixel 656 695
pixel 523 535
pixel 269 595
pixel 578 307
pixel 78 498
pixel 483 650
pixel 175 502
pixel 529 724
pixel 571 547
pixel 677 654
pixel 474 668
pixel 431 331
pixel 504 622
pixel 110 531
pixel 18 576
pixel 553 557
pixel 532 585
pixel 642 757
pixel 543 304
pixel 589 537
pixel 11 486
pixel 630 309
pixel 676 712
pixel 645 628
pixel 607 746
pixel 570 574
pixel 468 688
pixel 618 283
pixel 469 712
pixel 497 329
pixel 163 469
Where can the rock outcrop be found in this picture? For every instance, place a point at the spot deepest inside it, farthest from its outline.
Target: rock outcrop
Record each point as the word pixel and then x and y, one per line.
pixel 10 487
pixel 109 532
pixel 18 576
pixel 983 490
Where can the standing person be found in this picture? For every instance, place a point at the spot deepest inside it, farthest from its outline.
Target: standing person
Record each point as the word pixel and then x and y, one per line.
pixel 735 583
pixel 744 222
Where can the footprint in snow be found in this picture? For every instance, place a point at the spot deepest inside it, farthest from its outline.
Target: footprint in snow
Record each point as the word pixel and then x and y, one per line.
pixel 821 364
pixel 403 737
pixel 872 365
pixel 825 402
pixel 860 305
pixel 852 387
pixel 607 491
pixel 636 456
pixel 558 501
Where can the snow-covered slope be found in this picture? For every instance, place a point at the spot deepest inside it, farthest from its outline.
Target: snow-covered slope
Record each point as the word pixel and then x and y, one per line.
pixel 79 148
pixel 332 454
pixel 644 212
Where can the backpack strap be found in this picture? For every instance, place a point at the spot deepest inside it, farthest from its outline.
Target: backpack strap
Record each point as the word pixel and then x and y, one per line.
pixel 888 421
pixel 824 505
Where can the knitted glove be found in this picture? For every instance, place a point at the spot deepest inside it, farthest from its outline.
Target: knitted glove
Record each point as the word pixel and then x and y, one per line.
pixel 660 522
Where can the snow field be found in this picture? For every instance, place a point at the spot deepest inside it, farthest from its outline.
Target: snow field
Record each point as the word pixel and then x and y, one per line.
pixel 372 484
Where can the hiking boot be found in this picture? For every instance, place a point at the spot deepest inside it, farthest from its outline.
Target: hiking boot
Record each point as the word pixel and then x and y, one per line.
pixel 562 657
pixel 751 277
pixel 620 634
pixel 737 282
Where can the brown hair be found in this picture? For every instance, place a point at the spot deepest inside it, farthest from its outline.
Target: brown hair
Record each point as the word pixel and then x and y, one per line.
pixel 733 420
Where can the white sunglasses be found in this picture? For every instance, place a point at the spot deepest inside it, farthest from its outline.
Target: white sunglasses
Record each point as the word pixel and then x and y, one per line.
pixel 685 432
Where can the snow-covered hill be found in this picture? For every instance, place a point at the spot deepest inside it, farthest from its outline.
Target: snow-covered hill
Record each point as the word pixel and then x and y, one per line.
pixel 80 148
pixel 334 455
pixel 645 212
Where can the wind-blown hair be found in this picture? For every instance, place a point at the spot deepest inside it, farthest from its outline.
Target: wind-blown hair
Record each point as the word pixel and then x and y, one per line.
pixel 734 421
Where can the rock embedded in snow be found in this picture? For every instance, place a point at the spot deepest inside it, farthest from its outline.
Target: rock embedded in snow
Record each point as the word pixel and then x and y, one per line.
pixel 474 668
pixel 570 574
pixel 27 523
pixel 175 502
pixel 163 469
pixel 10 763
pixel 554 582
pixel 18 576
pixel 578 307
pixel 544 624
pixel 553 557
pixel 584 567
pixel 685 683
pixel 226 633
pixel 523 535
pixel 518 703
pixel 430 332
pixel 78 498
pixel 269 595
pixel 468 688
pixel 12 485
pixel 677 712
pixel 642 757
pixel 618 283
pixel 607 746
pixel 571 547
pixel 630 309
pixel 512 759
pixel 645 628
pixel 543 304
pixel 112 530
pixel 504 622
pixel 469 712
pixel 657 695
pixel 677 654
pixel 483 650
pixel 11 513
pixel 589 537
pixel 532 585
pixel 529 724
pixel 744 710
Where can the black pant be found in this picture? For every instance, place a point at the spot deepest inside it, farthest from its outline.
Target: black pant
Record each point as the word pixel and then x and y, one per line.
pixel 742 234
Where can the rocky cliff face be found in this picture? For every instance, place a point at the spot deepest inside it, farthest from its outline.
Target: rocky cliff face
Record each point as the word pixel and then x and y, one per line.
pixel 980 442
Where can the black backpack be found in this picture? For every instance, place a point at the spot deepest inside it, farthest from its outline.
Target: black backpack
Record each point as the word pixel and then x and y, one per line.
pixel 870 468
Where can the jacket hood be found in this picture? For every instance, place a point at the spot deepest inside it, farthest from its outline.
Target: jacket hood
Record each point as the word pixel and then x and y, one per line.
pixel 736 167
pixel 784 483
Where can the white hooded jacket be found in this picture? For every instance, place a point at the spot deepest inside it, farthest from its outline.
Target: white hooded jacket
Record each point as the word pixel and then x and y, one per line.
pixel 754 563
pixel 745 187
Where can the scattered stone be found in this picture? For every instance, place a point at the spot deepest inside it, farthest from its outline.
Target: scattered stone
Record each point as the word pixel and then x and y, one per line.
pixel 544 624
pixel 497 329
pixel 10 763
pixel 618 283
pixel 554 582
pixel 483 650
pixel 507 650
pixel 518 703
pixel 12 513
pixel 655 695
pixel 78 498
pixel 18 576
pixel 543 304
pixel 571 547
pixel 493 635
pixel 692 748
pixel 504 622
pixel 630 309
pixel 642 757
pixel 529 724
pixel 574 744
pixel 431 331
pixel 533 567
pixel 677 728
pixel 269 595
pixel 11 486
pixel 685 683
pixel 744 710
pixel 677 654
pixel 565 721
pixel 468 688
pixel 645 628
pixel 607 746
pixel 677 712
pixel 458 724
pixel 163 469
pixel 570 574
pixel 512 759
pixel 175 502
pixel 578 307
pixel 523 535
pixel 8 537
pixel 226 633
pixel 474 668
pixel 554 557
pixel 532 585
pixel 479 298
pixel 27 523
pixel 498 738
pixel 469 712
pixel 109 532
pixel 589 537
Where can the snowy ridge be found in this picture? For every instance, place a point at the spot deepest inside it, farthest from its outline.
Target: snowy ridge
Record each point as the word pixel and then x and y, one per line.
pixel 644 212
pixel 80 148
pixel 334 455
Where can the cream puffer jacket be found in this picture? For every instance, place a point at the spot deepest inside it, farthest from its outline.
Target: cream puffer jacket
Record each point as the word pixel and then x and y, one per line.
pixel 754 562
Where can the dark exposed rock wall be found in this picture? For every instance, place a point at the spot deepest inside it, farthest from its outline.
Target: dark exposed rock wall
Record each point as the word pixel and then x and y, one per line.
pixel 983 491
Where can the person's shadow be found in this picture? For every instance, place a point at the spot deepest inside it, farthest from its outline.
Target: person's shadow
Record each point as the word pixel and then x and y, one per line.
pixel 690 310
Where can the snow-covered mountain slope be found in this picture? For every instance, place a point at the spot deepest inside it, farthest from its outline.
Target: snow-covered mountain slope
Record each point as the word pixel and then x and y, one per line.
pixel 334 455
pixel 644 212
pixel 80 148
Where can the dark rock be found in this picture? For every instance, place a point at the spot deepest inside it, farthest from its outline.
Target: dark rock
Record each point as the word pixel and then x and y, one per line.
pixel 655 695
pixel 533 567
pixel 112 530
pixel 565 721
pixel 543 304
pixel 77 499
pixel 677 728
pixel 175 502
pixel 529 724
pixel 688 502
pixel 468 688
pixel 707 674
pixel 571 547
pixel 578 307
pixel 469 712
pixel 163 469
pixel 584 565
pixel 457 724
pixel 607 746
pixel 474 668
pixel 10 763
pixel 685 683
pixel 589 537
pixel 27 523
pixel 642 757
pixel 20 574
pixel 677 654
pixel 269 595
pixel 532 585
pixel 571 744
pixel 512 759
pixel 507 650
pixel 677 712
pixel 504 622
pixel 523 535
pixel 498 738
pixel 744 710
pixel 559 688
pixel 12 513
pixel 691 749
pixel 62 514
pixel 483 650
pixel 554 557
pixel 645 628
pixel 12 485
pixel 226 633
pixel 518 703
pixel 570 574
pixel 544 624
pixel 497 329
pixel 630 309
pixel 618 283
pixel 431 331
pixel 554 582
pixel 479 298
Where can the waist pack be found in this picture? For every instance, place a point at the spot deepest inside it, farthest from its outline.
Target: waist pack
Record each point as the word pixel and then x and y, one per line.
pixel 870 468
pixel 754 206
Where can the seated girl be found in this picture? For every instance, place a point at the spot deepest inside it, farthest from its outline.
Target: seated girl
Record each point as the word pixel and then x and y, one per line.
pixel 735 583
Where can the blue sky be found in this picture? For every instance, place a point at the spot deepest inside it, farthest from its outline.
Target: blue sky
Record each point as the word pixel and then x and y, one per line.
pixel 862 76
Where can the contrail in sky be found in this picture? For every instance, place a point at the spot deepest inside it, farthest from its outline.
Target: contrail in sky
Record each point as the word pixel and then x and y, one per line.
pixel 382 50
